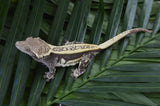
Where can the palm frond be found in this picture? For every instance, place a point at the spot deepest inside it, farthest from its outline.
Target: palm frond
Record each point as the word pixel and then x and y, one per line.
pixel 126 73
pixel 8 55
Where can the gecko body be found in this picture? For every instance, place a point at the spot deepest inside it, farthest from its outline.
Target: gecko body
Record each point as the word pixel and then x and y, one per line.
pixel 69 54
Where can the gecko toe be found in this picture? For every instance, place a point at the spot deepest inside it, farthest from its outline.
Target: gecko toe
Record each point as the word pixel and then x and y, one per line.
pixel 48 76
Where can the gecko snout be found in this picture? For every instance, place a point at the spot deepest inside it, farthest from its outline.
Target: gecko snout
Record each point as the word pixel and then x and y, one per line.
pixel 21 46
pixel 17 44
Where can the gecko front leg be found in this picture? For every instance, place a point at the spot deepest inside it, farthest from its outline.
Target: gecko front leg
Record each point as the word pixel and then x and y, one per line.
pixel 86 58
pixel 50 75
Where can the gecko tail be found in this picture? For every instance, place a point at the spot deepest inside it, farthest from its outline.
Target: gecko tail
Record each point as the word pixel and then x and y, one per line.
pixel 120 36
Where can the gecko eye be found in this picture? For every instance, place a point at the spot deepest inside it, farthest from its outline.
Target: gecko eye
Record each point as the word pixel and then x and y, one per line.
pixel 29 51
pixel 27 48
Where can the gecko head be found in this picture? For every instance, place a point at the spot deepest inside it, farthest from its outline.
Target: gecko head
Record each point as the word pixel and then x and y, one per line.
pixel 33 47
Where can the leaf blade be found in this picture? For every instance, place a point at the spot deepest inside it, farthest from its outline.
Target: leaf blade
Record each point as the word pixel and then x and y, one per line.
pixel 32 29
pixel 112 27
pixel 128 23
pixel 4 6
pixel 58 22
pixel 8 55
pixel 144 18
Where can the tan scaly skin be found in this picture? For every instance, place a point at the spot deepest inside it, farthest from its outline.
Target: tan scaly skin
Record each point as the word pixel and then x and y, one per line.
pixel 67 55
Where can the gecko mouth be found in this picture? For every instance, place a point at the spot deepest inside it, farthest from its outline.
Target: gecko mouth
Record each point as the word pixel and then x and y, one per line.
pixel 22 46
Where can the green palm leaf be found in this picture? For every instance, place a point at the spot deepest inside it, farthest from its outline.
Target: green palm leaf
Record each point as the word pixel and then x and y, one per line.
pixel 126 73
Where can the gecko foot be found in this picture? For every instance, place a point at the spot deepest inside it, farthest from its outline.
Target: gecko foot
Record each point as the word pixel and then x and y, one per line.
pixel 76 73
pixel 49 75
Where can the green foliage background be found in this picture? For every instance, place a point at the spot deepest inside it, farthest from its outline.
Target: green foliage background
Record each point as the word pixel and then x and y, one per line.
pixel 125 74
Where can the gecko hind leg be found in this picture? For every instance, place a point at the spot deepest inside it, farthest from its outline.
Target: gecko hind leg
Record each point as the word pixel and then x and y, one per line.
pixel 82 65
